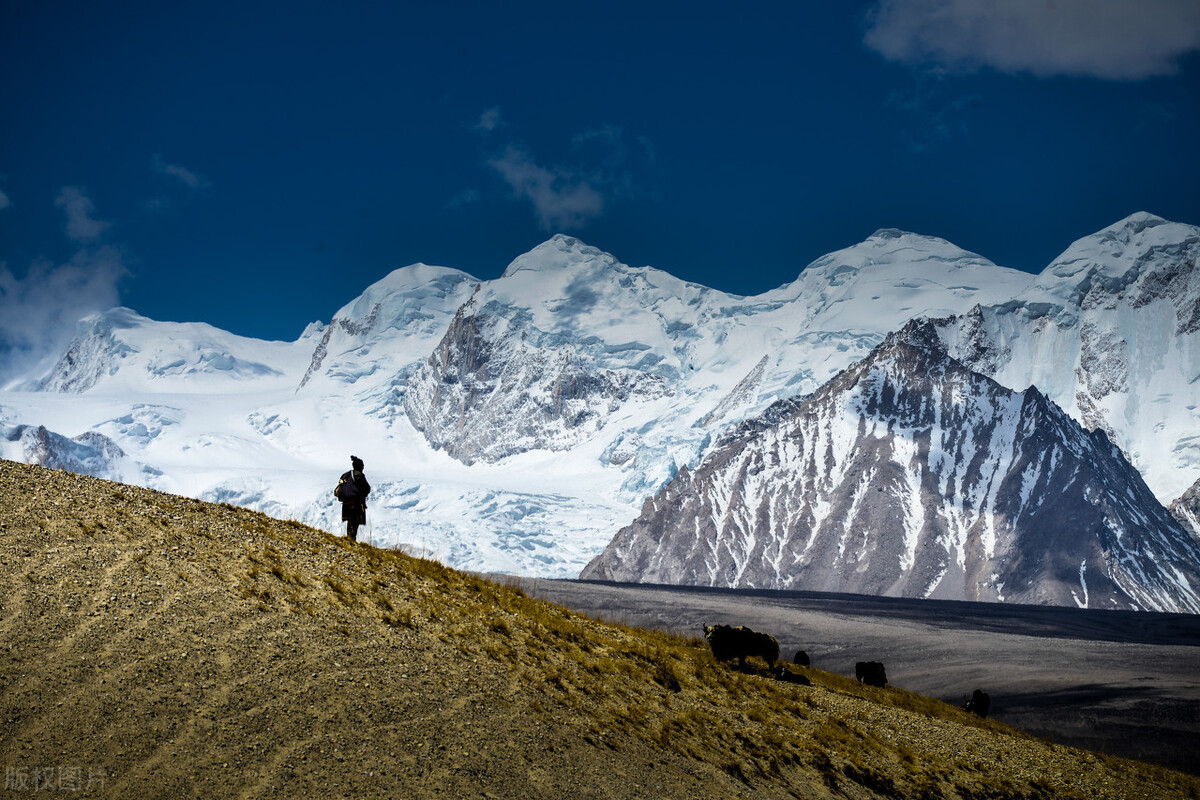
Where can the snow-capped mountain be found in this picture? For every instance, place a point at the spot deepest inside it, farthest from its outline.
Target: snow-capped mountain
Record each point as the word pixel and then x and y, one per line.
pixel 1111 332
pixel 911 475
pixel 394 323
pixel 126 352
pixel 89 453
pixel 515 424
pixel 571 346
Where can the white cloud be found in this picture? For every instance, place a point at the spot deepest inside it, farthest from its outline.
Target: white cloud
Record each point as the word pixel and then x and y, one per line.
pixel 4 201
pixel 489 120
pixel 182 174
pixel 602 165
pixel 38 312
pixel 1108 39
pixel 561 200
pixel 82 226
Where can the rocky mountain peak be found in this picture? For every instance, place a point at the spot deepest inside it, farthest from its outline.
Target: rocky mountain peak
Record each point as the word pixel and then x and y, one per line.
pixel 93 351
pixel 922 333
pixel 910 475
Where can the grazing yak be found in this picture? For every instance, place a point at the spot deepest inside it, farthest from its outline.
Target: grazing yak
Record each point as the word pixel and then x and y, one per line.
pixel 729 643
pixel 801 659
pixel 871 673
pixel 979 703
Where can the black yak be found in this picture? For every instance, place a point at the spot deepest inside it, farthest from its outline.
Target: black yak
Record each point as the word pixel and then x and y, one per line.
pixel 979 703
pixel 871 673
pixel 729 643
pixel 801 659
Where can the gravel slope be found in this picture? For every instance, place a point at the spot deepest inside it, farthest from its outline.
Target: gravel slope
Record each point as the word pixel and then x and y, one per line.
pixel 156 646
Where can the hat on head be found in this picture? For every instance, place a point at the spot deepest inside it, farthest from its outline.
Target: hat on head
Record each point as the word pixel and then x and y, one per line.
pixel 356 462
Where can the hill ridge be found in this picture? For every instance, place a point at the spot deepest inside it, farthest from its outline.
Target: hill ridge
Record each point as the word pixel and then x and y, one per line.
pixel 160 646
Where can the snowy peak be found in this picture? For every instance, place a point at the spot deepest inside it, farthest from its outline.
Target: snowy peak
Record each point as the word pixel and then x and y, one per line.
pixel 385 332
pixel 878 285
pixel 93 352
pixel 889 247
pixel 90 453
pixel 921 333
pixel 405 292
pixel 1134 224
pixel 559 252
pixel 113 319
pixel 1117 256
pixel 569 278
pixel 124 351
pixel 542 357
pixel 909 475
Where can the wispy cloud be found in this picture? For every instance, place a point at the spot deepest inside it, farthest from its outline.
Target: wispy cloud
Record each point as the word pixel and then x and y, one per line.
pixel 489 120
pixel 183 175
pixel 561 200
pixel 4 201
pixel 1107 39
pixel 38 311
pixel 603 164
pixel 81 224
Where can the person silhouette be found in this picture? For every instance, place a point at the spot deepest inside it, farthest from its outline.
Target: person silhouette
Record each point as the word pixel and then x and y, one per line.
pixel 352 490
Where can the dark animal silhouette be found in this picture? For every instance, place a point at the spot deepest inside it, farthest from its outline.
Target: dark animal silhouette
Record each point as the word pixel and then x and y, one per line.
pixel 729 643
pixel 801 659
pixel 782 673
pixel 871 673
pixel 979 703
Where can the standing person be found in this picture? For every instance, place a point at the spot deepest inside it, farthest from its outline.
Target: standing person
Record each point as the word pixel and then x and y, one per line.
pixel 352 490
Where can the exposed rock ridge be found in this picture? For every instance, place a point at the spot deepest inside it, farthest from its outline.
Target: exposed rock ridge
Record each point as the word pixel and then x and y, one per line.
pixel 488 392
pixel 910 475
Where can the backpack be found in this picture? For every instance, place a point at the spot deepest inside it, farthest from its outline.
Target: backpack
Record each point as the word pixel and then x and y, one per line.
pixel 347 490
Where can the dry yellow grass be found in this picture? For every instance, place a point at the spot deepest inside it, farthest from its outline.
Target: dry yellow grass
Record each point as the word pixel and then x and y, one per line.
pixel 171 648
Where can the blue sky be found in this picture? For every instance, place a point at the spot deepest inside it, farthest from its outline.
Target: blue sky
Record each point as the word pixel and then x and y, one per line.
pixel 256 165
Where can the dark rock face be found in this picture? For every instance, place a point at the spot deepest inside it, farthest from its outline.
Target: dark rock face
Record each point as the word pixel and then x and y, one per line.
pixel 90 453
pixel 490 390
pixel 1186 509
pixel 910 475
pixel 350 327
pixel 92 354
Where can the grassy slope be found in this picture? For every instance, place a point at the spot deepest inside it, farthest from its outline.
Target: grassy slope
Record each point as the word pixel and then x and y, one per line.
pixel 193 650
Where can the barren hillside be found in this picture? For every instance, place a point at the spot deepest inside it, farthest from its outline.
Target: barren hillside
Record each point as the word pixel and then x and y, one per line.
pixel 156 646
